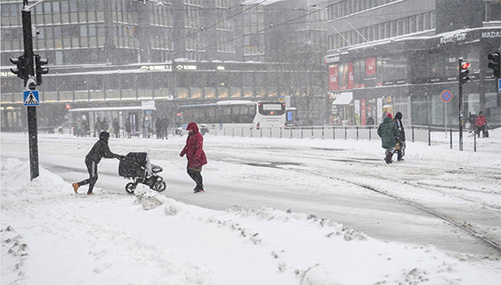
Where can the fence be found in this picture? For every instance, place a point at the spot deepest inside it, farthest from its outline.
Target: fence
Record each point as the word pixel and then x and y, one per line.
pixel 427 134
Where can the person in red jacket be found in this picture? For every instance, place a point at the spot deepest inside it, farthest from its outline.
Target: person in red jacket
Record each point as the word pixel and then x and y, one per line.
pixel 195 155
pixel 481 122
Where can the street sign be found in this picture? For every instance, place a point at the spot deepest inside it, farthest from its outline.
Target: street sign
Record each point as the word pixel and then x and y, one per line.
pixel 31 98
pixel 499 85
pixel 446 96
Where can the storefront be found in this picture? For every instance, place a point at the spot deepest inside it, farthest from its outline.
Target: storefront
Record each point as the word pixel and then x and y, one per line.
pixel 409 75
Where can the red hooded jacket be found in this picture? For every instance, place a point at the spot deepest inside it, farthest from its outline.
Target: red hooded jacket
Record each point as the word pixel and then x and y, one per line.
pixel 481 121
pixel 193 148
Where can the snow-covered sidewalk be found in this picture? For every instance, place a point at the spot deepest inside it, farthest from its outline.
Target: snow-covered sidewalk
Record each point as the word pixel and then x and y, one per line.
pixel 52 236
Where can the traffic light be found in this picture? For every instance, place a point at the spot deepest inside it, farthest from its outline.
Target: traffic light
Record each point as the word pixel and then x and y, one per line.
pixel 463 72
pixel 20 69
pixel 39 69
pixel 495 65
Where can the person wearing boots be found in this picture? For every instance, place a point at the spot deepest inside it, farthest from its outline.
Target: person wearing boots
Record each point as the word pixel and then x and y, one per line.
pixel 388 131
pixel 98 151
pixel 401 138
pixel 195 155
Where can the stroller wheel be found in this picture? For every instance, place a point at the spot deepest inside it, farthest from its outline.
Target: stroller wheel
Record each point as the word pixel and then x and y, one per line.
pixel 130 187
pixel 159 186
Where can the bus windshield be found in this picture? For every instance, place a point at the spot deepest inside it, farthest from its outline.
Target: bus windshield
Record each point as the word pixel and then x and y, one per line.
pixel 271 109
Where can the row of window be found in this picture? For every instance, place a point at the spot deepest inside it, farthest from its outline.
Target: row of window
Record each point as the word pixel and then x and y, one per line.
pixel 348 7
pixel 404 26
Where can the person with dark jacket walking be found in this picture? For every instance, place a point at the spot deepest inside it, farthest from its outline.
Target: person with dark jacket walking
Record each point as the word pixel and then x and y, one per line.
pixel 388 131
pixel 401 137
pixel 98 151
pixel 195 155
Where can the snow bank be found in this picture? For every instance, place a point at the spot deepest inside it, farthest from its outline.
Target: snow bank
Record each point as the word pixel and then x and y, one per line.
pixel 52 236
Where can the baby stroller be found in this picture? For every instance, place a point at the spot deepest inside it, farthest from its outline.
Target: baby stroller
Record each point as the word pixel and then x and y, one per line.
pixel 137 166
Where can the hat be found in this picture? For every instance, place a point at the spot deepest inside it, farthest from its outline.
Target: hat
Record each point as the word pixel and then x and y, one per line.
pixel 389 115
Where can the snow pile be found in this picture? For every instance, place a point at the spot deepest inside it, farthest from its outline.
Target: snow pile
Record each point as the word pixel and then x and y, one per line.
pixel 52 236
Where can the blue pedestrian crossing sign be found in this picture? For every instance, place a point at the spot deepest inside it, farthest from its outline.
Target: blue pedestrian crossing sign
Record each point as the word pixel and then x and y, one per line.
pixel 31 98
pixel 499 85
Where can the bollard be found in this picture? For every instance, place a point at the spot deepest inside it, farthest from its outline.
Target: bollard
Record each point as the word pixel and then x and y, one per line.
pixel 474 143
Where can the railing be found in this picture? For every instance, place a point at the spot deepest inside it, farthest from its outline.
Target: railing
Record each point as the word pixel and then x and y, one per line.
pixel 427 134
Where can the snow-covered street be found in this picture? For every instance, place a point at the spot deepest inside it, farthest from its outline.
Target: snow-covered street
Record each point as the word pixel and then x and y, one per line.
pixel 275 211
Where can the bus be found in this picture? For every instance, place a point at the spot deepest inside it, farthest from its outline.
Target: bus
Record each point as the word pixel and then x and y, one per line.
pixel 234 114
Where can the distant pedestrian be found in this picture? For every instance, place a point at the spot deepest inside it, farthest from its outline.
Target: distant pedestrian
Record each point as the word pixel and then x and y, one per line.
pixel 98 151
pixel 388 131
pixel 116 128
pixel 480 123
pixel 159 128
pixel 195 155
pixel 400 140
pixel 370 121
pixel 105 125
pixel 165 128
pixel 97 127
pixel 127 128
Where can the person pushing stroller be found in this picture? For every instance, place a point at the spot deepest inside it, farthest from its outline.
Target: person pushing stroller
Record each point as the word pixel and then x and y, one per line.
pixel 92 159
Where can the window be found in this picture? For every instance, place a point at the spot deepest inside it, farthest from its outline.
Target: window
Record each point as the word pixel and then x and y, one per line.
pixel 492 11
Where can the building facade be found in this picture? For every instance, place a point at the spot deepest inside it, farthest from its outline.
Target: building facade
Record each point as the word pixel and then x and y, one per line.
pixel 121 53
pixel 402 55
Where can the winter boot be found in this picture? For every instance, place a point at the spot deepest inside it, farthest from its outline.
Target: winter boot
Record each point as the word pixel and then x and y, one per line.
pixel 198 189
pixel 75 187
pixel 388 158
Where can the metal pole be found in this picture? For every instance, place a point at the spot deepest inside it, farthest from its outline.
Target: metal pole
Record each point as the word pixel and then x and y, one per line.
pixel 460 107
pixel 450 137
pixel 32 111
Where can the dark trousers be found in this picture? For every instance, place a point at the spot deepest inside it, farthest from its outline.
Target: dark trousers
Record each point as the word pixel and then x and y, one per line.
pixel 197 177
pixel 92 169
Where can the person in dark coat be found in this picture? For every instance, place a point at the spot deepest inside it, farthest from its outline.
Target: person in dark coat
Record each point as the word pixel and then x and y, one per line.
pixel 401 137
pixel 116 128
pixel 195 155
pixel 128 128
pixel 159 128
pixel 388 131
pixel 165 128
pixel 98 151
pixel 105 125
pixel 97 126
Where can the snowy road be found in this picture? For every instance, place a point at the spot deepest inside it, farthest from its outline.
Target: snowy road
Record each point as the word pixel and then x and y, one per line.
pixel 434 197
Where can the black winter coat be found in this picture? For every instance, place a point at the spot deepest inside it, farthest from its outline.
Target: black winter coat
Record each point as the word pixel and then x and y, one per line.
pixel 100 150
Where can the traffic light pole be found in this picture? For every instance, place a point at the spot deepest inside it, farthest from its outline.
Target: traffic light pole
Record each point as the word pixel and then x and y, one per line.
pixel 32 110
pixel 460 104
